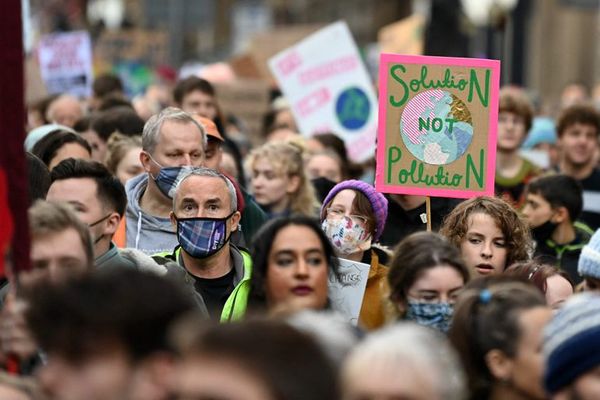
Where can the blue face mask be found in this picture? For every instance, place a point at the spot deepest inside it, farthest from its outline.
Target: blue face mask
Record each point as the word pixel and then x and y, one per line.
pixel 167 178
pixel 202 237
pixel 433 315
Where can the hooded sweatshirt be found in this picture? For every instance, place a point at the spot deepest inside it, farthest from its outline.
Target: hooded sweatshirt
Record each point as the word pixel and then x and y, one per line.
pixel 146 232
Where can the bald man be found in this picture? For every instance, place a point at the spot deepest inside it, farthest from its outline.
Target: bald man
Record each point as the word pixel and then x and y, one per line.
pixel 64 110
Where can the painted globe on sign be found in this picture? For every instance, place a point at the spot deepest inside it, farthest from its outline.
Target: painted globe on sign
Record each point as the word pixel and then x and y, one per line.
pixel 353 108
pixel 436 127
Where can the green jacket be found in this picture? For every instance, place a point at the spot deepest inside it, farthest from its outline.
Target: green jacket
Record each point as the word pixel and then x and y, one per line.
pixel 237 302
pixel 566 256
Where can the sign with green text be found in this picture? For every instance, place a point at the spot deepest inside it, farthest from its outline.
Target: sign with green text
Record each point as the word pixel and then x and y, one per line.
pixel 437 125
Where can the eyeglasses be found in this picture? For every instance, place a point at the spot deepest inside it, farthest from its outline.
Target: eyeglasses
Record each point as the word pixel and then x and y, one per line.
pixel 532 273
pixel 336 213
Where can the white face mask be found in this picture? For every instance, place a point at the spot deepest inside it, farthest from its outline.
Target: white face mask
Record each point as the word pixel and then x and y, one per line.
pixel 347 236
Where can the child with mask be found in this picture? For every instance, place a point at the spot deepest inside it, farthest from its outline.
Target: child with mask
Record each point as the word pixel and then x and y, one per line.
pixel 353 217
pixel 553 205
pixel 426 276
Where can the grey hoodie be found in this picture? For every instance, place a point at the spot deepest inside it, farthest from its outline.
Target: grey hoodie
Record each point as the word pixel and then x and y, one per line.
pixel 146 232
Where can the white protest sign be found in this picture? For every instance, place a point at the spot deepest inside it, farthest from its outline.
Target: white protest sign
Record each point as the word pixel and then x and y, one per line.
pixel 329 90
pixel 65 61
pixel 346 295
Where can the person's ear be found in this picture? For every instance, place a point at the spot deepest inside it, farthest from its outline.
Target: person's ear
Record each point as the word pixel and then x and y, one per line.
pixel 155 375
pixel 559 144
pixel 401 307
pixel 173 219
pixel 293 184
pixel 399 303
pixel 235 221
pixel 499 364
pixel 112 223
pixel 145 160
pixel 561 214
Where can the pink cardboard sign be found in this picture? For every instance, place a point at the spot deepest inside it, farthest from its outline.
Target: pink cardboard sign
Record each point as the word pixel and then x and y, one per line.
pixel 437 125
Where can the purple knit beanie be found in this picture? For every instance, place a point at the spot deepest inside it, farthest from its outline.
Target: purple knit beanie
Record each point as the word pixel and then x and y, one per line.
pixel 378 202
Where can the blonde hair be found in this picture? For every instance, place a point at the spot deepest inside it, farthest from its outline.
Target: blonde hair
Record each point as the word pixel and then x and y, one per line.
pixel 407 345
pixel 287 159
pixel 118 145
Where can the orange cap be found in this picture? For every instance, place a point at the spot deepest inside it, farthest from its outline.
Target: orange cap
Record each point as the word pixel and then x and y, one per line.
pixel 209 127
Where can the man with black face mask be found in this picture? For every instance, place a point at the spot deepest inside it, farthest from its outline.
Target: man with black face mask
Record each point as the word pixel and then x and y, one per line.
pixel 553 204
pixel 98 199
pixel 215 271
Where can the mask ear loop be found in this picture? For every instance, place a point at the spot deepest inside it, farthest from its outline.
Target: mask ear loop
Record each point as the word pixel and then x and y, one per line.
pixel 155 162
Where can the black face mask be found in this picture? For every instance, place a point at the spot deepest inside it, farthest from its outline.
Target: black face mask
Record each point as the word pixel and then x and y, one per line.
pixel 544 231
pixel 322 185
pixel 96 223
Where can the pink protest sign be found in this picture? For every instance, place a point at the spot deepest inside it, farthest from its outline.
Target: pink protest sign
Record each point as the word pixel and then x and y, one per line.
pixel 329 89
pixel 437 125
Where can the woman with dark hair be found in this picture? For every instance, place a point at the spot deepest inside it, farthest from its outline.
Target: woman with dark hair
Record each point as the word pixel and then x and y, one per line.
pixel 555 284
pixel 60 145
pixel 426 276
pixel 490 234
pixel 292 263
pixel 497 331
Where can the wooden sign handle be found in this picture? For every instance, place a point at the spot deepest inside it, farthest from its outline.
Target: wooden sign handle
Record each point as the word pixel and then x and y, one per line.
pixel 428 212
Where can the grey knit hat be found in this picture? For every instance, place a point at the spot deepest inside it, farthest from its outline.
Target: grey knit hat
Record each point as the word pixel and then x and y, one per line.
pixel 589 260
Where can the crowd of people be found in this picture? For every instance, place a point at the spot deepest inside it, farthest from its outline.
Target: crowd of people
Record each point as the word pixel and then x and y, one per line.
pixel 173 260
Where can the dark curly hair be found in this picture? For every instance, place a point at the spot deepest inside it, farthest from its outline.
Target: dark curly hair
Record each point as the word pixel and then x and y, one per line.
pixel 514 228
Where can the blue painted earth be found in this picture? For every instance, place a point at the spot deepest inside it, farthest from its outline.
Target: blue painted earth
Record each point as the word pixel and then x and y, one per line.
pixel 436 143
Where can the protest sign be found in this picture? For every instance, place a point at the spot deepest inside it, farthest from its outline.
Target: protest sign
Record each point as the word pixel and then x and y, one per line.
pixel 437 126
pixel 346 295
pixel 34 85
pixel 65 61
pixel 329 90
pixel 144 46
pixel 253 63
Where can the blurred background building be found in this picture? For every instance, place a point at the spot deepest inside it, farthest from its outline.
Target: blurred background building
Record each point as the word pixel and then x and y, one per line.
pixel 543 44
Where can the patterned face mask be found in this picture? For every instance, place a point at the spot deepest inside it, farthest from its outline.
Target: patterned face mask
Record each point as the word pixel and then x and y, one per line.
pixel 433 315
pixel 167 178
pixel 346 235
pixel 202 237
